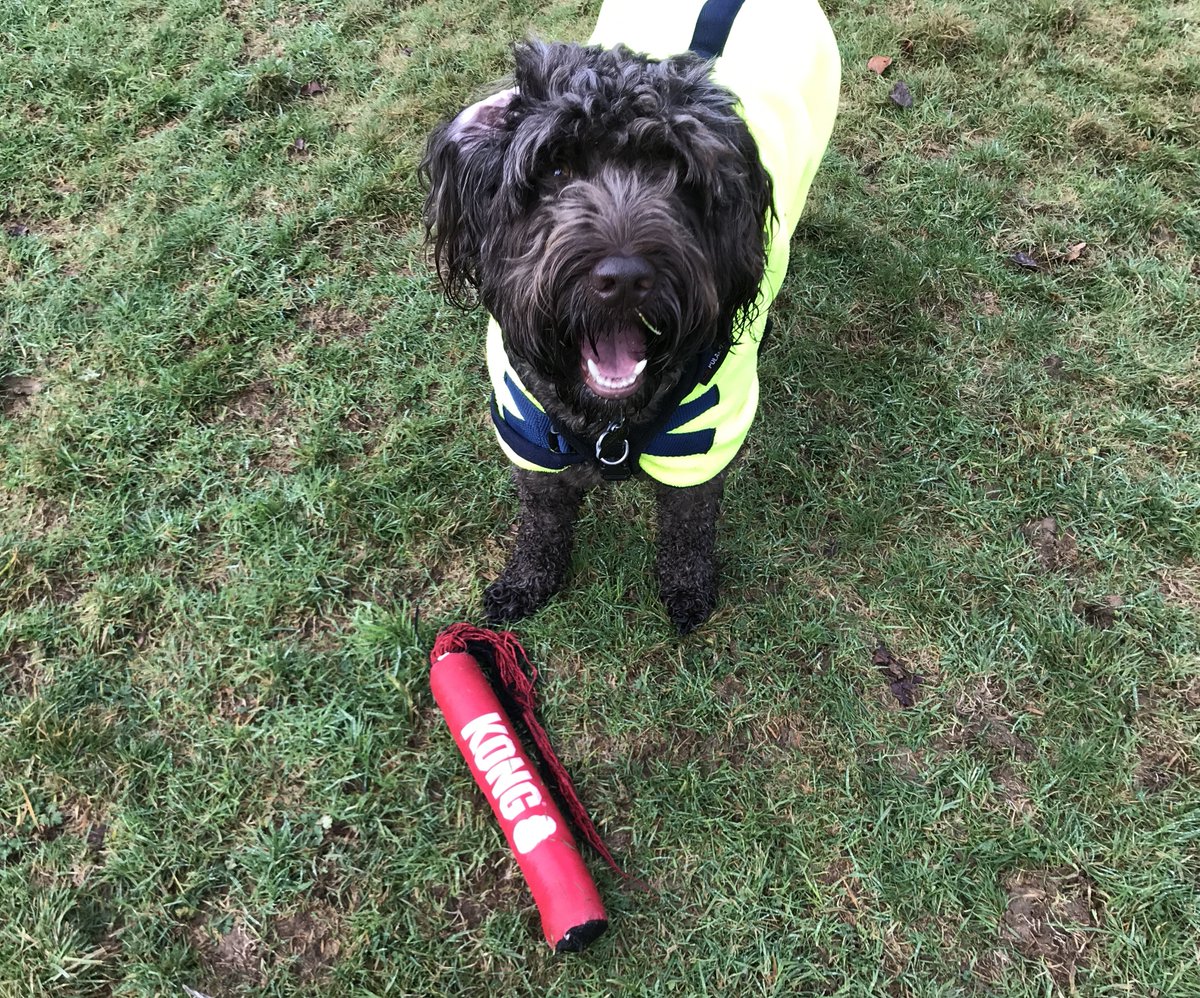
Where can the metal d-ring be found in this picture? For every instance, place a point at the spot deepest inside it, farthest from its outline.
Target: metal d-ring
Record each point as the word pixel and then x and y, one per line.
pixel 613 427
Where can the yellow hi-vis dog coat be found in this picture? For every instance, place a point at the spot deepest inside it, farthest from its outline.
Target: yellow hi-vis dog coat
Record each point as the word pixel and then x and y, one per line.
pixel 781 61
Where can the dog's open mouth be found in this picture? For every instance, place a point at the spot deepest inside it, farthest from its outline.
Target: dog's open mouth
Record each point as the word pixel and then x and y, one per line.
pixel 613 361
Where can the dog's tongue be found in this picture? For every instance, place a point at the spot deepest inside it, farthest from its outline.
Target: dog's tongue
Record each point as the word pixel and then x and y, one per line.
pixel 614 360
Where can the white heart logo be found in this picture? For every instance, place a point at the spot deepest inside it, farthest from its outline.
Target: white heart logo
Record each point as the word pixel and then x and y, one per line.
pixel 531 832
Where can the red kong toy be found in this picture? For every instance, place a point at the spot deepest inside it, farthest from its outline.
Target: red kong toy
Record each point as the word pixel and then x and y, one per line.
pixel 570 906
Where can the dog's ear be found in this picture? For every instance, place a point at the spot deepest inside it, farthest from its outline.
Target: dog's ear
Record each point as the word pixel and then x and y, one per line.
pixel 482 118
pixel 741 215
pixel 462 172
pixel 723 175
pixel 727 177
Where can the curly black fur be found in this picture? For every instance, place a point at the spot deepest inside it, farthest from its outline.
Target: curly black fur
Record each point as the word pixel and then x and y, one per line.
pixel 599 154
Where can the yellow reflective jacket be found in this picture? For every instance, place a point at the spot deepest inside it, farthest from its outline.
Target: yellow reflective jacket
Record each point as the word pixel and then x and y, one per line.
pixel 781 61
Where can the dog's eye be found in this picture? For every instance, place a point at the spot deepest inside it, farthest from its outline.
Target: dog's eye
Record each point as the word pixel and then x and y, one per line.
pixel 554 178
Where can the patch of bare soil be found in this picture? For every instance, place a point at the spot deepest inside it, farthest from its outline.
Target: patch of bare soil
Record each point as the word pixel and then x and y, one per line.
pixel 1186 692
pixel 364 422
pixel 257 41
pixel 1100 614
pixel 19 672
pixel 1165 243
pixel 758 743
pixel 1106 136
pixel 1167 722
pixel 321 632
pixel 1167 727
pixel 255 402
pixel 309 941
pixel 235 957
pixel 1162 765
pixel 1056 550
pixel 490 887
pixel 424 725
pixel 1013 791
pixel 988 303
pixel 851 899
pixel 1056 368
pixel 989 966
pixel 44 516
pixel 730 689
pixel 82 822
pixel 985 722
pixel 262 406
pixel 15 392
pixel 1181 587
pixel 908 764
pixel 29 583
pixel 332 322
pixel 1049 919
pixel 843 889
pixel 237 705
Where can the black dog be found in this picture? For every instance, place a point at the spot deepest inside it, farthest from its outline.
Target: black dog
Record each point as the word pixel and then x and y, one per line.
pixel 625 219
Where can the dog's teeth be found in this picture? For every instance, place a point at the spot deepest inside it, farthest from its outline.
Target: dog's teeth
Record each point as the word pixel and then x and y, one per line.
pixel 614 384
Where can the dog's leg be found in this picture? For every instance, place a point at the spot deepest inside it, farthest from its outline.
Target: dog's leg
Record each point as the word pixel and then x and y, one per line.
pixel 687 572
pixel 538 565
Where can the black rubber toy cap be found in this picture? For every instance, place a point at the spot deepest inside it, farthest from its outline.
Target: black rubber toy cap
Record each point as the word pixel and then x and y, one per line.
pixel 577 938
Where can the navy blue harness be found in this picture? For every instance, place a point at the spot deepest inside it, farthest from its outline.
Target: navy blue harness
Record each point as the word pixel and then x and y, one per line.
pixel 712 27
pixel 536 438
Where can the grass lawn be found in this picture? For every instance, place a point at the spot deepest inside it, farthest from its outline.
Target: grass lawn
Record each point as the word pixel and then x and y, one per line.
pixel 246 474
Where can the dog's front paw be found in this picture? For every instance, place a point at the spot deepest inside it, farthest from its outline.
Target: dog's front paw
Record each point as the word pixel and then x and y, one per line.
pixel 689 606
pixel 506 601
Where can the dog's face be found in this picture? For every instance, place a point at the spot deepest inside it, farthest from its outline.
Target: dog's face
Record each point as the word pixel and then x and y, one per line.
pixel 609 211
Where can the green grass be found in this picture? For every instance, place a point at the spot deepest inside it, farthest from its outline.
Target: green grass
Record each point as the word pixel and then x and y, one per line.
pixel 247 475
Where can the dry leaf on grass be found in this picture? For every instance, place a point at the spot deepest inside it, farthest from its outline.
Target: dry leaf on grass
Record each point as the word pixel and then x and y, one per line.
pixel 1023 259
pixel 878 64
pixel 901 96
pixel 901 681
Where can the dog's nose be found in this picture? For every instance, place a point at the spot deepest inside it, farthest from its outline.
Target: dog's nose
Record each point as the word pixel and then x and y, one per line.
pixel 622 280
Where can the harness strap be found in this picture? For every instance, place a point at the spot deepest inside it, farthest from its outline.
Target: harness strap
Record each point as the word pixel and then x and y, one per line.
pixel 533 436
pixel 713 26
pixel 668 443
